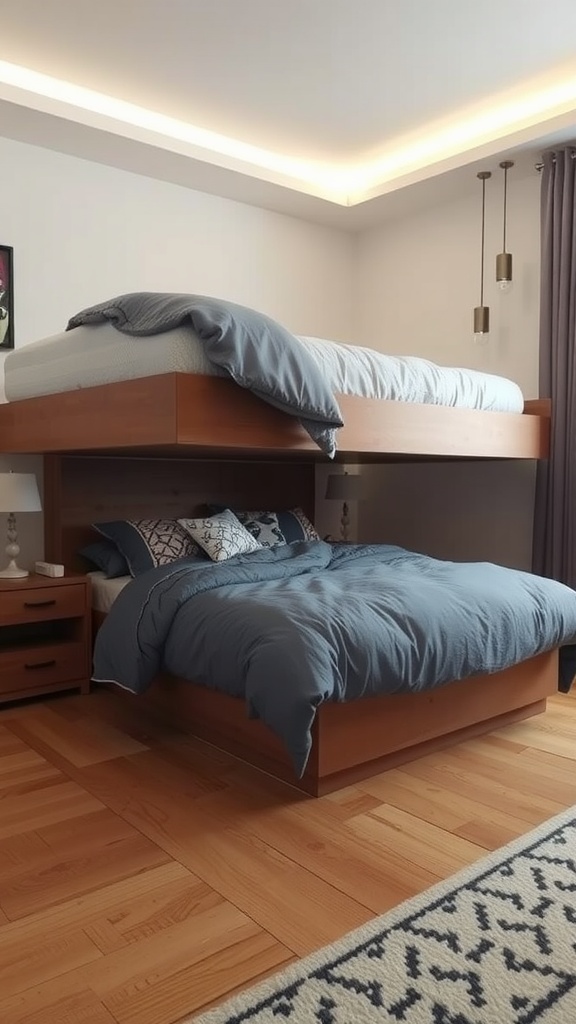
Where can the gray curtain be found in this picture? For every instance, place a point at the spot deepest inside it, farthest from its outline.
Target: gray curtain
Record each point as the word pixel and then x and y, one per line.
pixel 555 510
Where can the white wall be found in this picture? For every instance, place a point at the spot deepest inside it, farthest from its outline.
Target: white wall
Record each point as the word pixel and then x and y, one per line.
pixel 83 232
pixel 416 283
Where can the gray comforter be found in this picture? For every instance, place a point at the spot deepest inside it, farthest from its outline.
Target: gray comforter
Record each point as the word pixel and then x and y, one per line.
pixel 258 353
pixel 289 627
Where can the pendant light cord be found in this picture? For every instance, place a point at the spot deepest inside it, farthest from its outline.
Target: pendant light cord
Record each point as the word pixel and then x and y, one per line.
pixel 483 177
pixel 505 165
pixel 505 203
pixel 482 242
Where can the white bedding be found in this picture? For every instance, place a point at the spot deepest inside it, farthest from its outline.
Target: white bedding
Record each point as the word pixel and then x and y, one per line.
pixel 92 355
pixel 363 371
pixel 105 591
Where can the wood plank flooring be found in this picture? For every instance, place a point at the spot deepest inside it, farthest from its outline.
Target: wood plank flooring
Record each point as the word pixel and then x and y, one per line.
pixel 144 875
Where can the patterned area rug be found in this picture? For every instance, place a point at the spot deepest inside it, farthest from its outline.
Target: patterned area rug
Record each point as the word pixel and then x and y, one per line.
pixel 495 944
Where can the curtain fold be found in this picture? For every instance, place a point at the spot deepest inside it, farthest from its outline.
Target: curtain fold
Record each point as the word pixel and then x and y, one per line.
pixel 554 542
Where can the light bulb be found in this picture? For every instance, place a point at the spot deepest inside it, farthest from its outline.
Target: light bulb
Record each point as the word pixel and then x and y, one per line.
pixel 481 325
pixel 504 271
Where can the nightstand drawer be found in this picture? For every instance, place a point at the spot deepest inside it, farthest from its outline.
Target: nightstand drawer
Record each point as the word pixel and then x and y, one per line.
pixel 41 666
pixel 35 605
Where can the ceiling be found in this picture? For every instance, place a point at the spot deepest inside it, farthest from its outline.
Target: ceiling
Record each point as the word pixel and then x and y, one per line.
pixel 343 111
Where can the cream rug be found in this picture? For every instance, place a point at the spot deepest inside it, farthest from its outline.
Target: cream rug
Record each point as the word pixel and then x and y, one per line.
pixel 495 944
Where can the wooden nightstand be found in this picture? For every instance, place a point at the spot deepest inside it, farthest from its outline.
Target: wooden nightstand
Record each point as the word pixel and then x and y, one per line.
pixel 44 636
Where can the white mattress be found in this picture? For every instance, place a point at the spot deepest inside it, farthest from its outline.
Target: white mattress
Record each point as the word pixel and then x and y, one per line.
pixel 99 354
pixel 105 591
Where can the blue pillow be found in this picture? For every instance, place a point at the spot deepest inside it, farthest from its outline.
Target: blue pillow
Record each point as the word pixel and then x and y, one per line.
pixel 148 543
pixel 273 528
pixel 106 557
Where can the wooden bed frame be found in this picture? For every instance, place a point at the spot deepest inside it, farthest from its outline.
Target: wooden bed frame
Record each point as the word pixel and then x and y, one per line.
pixel 350 741
pixel 179 413
pixel 355 741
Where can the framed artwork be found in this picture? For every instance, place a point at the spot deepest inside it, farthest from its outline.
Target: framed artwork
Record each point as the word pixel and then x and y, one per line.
pixel 6 297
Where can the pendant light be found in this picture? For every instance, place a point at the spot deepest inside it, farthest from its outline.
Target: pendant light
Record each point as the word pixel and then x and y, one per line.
pixel 482 312
pixel 504 259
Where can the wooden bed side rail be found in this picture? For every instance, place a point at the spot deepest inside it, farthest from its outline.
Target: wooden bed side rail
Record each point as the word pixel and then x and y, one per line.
pixel 373 425
pixel 124 414
pixel 359 739
pixel 538 407
pixel 430 713
pixel 199 414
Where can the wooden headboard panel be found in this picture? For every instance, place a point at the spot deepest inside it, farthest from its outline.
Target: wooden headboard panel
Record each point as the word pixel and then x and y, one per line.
pixel 82 489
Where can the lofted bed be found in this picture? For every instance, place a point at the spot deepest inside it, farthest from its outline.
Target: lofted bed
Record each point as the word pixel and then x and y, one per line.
pixel 167 444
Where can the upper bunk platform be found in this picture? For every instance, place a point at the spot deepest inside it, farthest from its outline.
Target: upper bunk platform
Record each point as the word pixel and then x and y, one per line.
pixel 198 416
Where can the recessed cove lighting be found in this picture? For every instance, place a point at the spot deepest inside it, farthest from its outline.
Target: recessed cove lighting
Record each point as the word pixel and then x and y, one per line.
pixel 403 160
pixel 170 128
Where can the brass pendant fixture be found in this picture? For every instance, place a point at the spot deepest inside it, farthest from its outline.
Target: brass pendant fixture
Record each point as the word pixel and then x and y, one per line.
pixel 504 259
pixel 482 312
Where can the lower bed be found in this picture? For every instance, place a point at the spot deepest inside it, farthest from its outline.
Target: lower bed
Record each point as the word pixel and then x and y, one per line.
pixel 349 741
pixel 300 681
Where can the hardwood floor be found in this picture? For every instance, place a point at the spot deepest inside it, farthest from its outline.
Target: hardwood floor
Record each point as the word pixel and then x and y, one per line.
pixel 145 875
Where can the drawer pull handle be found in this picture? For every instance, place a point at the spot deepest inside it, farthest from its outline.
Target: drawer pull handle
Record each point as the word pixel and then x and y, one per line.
pixel 39 604
pixel 40 664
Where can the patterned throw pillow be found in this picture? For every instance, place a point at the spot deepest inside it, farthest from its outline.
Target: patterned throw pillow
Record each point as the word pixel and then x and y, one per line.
pixel 148 543
pixel 273 528
pixel 221 536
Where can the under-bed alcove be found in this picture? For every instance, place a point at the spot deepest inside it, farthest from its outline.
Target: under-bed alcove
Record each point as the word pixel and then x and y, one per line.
pixel 82 489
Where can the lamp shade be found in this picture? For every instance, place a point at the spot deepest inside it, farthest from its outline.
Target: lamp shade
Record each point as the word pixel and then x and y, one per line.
pixel 19 493
pixel 345 487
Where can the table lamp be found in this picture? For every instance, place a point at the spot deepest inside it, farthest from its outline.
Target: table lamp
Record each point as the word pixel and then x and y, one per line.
pixel 18 493
pixel 344 487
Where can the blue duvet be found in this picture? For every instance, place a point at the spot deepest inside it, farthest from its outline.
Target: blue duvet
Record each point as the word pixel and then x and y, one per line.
pixel 289 627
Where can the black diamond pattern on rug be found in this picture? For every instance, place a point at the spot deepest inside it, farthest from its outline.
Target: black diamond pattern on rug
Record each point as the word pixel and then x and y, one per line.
pixel 499 949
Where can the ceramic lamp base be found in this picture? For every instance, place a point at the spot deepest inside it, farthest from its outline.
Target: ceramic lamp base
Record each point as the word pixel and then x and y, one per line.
pixel 13 572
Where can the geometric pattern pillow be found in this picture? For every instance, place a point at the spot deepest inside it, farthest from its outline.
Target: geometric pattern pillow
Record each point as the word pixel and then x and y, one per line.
pixel 221 536
pixel 273 528
pixel 148 543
